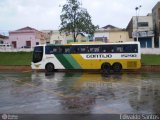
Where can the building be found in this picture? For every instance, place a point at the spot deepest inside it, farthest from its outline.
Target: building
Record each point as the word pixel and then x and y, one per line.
pixel 111 33
pixel 101 35
pixel 140 28
pixel 55 37
pixel 48 34
pixel 26 37
pixel 3 39
pixel 156 23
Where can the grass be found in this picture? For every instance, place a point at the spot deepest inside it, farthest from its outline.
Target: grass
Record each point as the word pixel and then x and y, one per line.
pixel 150 60
pixel 15 58
pixel 24 58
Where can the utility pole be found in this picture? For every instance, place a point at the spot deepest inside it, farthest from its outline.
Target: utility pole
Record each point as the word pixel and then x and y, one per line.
pixel 137 16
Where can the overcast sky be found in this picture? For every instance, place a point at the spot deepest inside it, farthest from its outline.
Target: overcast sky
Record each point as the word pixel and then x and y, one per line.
pixel 45 14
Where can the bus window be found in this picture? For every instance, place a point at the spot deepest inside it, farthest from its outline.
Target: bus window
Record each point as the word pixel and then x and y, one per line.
pixel 59 49
pixel 67 49
pixel 135 48
pixel 107 49
pixel 82 49
pixel 94 49
pixel 54 49
pixel 119 49
pixel 131 49
pixel 74 49
pixel 49 49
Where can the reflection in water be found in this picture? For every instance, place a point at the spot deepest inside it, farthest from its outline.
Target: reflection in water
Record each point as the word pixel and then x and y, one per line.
pixel 79 93
pixel 147 95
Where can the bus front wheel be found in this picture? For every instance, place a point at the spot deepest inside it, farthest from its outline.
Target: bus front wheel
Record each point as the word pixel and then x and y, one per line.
pixel 106 67
pixel 49 67
pixel 117 67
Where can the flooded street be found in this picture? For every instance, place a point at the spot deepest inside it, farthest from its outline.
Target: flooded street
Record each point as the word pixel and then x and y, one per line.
pixel 72 93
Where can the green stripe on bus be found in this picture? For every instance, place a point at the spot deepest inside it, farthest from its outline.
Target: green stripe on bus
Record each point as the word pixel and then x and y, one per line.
pixel 64 61
pixel 72 61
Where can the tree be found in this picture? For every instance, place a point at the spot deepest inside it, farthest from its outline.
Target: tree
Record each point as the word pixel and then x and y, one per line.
pixel 75 19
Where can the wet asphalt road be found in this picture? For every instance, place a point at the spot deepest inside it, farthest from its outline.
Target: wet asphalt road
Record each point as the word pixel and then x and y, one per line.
pixel 72 93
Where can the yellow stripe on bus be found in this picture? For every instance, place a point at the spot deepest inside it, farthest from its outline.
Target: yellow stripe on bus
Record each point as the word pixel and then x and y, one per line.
pixel 96 64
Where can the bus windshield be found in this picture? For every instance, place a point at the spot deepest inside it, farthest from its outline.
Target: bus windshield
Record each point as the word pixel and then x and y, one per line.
pixel 37 54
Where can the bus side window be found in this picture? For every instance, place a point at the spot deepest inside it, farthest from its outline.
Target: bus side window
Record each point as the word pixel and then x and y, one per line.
pixel 135 48
pixel 49 49
pixel 119 49
pixel 111 49
pixel 130 48
pixel 55 50
pixel 127 48
pixel 83 49
pixel 91 49
pixel 103 49
pixel 96 49
pixel 74 49
pixel 107 49
pixel 66 50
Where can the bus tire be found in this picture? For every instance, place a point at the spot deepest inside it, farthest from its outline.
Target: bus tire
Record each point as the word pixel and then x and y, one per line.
pixel 117 67
pixel 49 67
pixel 106 67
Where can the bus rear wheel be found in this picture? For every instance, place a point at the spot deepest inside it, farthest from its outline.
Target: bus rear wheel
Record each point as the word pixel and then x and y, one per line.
pixel 49 67
pixel 106 67
pixel 117 67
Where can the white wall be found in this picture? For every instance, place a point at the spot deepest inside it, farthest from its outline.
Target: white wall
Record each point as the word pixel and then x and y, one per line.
pixel 22 38
pixel 104 34
pixel 16 50
pixel 150 51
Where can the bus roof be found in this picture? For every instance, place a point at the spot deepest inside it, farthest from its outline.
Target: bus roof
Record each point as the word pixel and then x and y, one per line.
pixel 102 43
pixel 79 43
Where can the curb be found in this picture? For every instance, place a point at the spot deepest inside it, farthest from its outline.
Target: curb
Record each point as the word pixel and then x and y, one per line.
pixel 15 68
pixel 27 68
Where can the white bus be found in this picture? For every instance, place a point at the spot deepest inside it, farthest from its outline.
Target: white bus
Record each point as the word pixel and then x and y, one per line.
pixel 104 56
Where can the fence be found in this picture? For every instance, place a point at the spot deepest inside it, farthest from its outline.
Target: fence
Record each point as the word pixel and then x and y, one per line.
pixel 16 50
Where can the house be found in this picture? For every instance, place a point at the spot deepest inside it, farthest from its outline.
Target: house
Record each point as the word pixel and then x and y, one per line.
pixel 26 37
pixel 140 28
pixel 62 38
pixel 111 33
pixel 48 34
pixel 54 37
